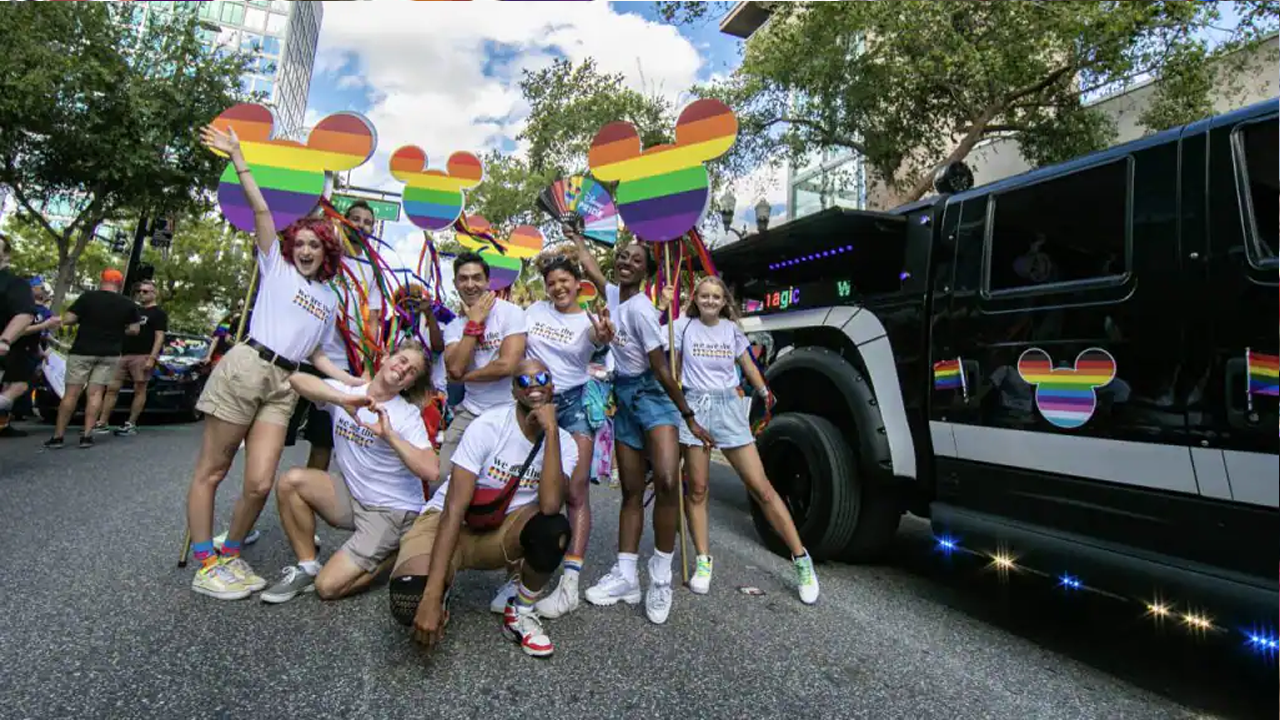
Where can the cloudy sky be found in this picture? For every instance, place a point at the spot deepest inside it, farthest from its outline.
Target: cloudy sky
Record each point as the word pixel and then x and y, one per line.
pixel 444 75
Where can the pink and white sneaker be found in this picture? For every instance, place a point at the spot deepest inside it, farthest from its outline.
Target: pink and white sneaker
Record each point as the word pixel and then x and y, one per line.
pixel 524 627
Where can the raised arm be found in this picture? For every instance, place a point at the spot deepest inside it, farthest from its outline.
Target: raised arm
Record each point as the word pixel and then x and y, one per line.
pixel 228 144
pixel 590 267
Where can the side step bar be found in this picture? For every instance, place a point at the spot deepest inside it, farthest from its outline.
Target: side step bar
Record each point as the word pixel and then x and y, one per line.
pixel 1116 569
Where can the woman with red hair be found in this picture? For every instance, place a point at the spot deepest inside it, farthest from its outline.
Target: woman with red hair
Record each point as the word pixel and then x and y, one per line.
pixel 248 397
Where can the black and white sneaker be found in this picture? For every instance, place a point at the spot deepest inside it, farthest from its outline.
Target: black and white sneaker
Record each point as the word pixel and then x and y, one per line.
pixel 86 442
pixel 55 443
pixel 126 429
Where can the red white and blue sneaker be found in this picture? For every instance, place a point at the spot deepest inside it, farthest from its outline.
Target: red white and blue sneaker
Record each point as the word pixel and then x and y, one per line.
pixel 524 627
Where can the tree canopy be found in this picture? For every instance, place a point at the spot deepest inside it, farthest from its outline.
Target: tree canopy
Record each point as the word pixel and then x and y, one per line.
pixel 913 86
pixel 101 113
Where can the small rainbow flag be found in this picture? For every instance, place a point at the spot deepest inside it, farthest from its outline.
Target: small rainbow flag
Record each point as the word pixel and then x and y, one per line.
pixel 948 375
pixel 1262 371
pixel 586 294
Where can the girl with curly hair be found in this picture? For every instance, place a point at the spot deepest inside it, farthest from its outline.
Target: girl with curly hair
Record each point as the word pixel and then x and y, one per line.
pixel 248 397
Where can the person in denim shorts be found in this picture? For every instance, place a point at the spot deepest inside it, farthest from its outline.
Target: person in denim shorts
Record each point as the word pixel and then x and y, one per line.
pixel 650 408
pixel 708 344
pixel 564 336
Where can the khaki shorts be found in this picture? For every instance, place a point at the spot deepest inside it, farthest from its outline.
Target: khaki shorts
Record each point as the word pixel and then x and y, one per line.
pixel 377 530
pixel 91 369
pixel 244 388
pixel 462 420
pixel 133 368
pixel 474 551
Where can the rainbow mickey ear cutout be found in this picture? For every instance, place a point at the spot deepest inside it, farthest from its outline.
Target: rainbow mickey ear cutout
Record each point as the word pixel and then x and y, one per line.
pixel 290 174
pixel 433 199
pixel 664 191
pixel 1067 397
pixel 525 242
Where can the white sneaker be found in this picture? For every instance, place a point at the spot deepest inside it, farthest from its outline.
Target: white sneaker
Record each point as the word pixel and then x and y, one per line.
pixel 245 574
pixel 562 601
pixel 700 583
pixel 807 579
pixel 499 602
pixel 525 628
pixel 657 602
pixel 614 587
pixel 218 581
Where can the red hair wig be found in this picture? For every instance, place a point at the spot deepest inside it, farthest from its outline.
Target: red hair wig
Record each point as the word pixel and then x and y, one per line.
pixel 323 230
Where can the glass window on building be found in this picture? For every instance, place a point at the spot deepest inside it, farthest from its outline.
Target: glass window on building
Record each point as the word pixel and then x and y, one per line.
pixel 267 66
pixel 806 197
pixel 266 87
pixel 232 12
pixel 228 38
pixel 280 6
pixel 189 6
pixel 161 5
pixel 250 42
pixel 255 19
pixel 210 10
pixel 246 83
pixel 260 3
pixel 277 24
pixel 270 45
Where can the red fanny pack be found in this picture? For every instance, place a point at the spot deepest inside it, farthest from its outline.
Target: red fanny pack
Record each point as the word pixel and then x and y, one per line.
pixel 489 505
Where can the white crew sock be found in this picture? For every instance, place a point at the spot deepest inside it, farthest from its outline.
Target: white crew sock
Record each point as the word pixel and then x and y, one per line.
pixel 627 564
pixel 660 567
pixel 310 567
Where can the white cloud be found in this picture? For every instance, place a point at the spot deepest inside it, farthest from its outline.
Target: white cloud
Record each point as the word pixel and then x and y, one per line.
pixel 444 76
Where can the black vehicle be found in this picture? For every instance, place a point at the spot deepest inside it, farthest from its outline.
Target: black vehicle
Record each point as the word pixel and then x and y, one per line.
pixel 176 383
pixel 1070 371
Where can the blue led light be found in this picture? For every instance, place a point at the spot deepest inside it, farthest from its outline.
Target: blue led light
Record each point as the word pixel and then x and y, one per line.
pixel 947 544
pixel 1070 582
pixel 1262 642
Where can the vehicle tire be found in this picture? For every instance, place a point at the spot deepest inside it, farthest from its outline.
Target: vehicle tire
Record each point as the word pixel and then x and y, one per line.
pixel 815 472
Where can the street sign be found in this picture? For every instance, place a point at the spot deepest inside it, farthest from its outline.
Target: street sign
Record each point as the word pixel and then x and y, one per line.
pixel 383 210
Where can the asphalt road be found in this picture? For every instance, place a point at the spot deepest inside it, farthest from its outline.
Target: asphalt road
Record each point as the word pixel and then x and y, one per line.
pixel 97 622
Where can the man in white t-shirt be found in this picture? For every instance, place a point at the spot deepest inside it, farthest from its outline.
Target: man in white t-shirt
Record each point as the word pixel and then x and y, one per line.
pixel 482 349
pixel 384 456
pixel 521 448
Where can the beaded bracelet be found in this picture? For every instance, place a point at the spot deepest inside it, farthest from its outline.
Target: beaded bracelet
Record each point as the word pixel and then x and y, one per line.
pixel 473 329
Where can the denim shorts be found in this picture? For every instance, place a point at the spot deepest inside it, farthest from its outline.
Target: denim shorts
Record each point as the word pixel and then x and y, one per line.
pixel 642 406
pixel 571 413
pixel 723 413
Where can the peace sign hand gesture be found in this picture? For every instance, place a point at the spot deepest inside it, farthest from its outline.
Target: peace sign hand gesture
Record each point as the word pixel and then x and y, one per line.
pixel 602 329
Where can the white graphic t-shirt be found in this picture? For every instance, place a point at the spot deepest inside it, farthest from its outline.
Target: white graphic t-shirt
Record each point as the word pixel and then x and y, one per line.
pixel 562 341
pixel 374 473
pixel 504 321
pixel 709 353
pixel 292 314
pixel 636 331
pixel 494 448
pixel 356 275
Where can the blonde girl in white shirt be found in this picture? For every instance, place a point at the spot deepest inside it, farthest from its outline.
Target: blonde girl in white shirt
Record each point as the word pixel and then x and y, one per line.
pixel 708 345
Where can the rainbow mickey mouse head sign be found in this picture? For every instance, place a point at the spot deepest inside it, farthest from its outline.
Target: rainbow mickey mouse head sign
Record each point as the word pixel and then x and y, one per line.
pixel 433 199
pixel 663 191
pixel 290 174
pixel 1067 397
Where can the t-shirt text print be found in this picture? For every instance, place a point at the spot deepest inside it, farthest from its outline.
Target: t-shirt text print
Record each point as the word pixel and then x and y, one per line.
pixel 292 314
pixel 709 353
pixel 312 305
pixel 562 341
pixel 357 435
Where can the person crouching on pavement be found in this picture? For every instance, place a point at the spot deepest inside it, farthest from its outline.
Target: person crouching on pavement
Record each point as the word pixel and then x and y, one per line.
pixel 514 454
pixel 385 457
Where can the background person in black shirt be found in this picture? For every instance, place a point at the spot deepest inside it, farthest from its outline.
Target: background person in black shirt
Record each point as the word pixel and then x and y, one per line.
pixel 137 361
pixel 17 311
pixel 104 317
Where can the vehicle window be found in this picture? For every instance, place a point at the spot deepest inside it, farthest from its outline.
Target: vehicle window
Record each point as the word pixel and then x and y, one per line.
pixel 1258 140
pixel 182 347
pixel 1069 229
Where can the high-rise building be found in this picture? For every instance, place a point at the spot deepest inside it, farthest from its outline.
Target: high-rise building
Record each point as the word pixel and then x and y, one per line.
pixel 282 37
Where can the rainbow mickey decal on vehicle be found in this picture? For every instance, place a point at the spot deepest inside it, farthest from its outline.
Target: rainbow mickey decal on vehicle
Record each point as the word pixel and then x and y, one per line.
pixel 433 199
pixel 290 174
pixel 1067 397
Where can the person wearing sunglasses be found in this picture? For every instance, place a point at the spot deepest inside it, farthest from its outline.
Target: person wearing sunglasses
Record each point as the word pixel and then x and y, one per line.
pixel 500 508
pixel 650 406
pixel 563 336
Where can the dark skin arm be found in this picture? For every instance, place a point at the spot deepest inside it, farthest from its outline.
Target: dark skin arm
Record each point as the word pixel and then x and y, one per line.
pixel 550 494
pixel 590 267
pixel 427 621
pixel 662 371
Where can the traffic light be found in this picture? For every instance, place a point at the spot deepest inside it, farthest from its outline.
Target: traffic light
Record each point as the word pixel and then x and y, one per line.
pixel 120 242
pixel 162 234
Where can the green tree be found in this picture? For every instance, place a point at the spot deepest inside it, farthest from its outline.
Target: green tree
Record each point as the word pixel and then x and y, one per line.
pixel 508 196
pixel 204 273
pixel 914 86
pixel 36 254
pixel 101 112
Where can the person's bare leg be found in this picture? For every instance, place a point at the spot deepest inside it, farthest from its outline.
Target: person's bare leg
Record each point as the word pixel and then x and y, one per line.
pixel 109 403
pixel 342 577
pixel 631 470
pixel 67 408
pixel 137 406
pixel 697 462
pixel 220 442
pixel 663 443
pixel 746 462
pixel 319 457
pixel 578 498
pixel 301 494
pixel 262 448
pixel 92 406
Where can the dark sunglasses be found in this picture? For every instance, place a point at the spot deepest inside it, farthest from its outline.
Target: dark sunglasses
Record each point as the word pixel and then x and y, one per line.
pixel 540 379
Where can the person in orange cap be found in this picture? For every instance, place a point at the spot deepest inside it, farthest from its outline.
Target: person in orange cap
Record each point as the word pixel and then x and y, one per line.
pixel 103 317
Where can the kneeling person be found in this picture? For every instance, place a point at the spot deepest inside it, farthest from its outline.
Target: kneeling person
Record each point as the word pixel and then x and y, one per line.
pixel 520 449
pixel 384 454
